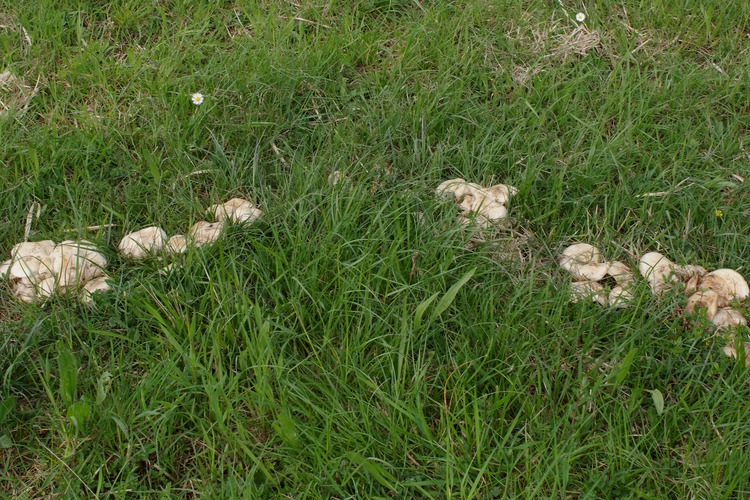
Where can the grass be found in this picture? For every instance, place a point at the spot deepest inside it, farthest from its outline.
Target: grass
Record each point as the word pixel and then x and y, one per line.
pixel 348 344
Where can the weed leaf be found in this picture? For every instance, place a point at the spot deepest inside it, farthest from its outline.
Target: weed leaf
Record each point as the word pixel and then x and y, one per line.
pixel 68 366
pixel 658 398
pixel 450 295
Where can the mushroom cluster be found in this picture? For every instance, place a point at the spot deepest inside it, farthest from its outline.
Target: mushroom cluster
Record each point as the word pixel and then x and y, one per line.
pixel 714 292
pixel 483 206
pixel 38 270
pixel 152 240
pixel 585 264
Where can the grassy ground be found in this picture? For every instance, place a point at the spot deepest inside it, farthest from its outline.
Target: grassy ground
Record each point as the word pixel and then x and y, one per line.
pixel 289 360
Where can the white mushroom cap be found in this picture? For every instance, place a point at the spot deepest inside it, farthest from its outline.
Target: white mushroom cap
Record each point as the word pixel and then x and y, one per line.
pixel 143 243
pixel 493 211
pixel 456 187
pixel 587 290
pixel 501 193
pixel 25 291
pixel 583 261
pixel 728 285
pixel 620 297
pixel 707 299
pixel 727 317
pixel 89 288
pixel 657 269
pixel 467 203
pixel 731 351
pixel 47 287
pixel 237 210
pixel 73 262
pixel 202 233
pixel 620 272
pixel 177 244
pixel 26 258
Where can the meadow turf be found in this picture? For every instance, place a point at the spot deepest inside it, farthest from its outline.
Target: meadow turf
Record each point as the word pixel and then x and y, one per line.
pixel 355 342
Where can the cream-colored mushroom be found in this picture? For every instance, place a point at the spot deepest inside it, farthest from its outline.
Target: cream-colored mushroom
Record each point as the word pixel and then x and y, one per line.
pixel 25 291
pixel 142 243
pixel 493 211
pixel 237 210
pixel 501 193
pixel 587 290
pixel 203 233
pixel 718 289
pixel 726 317
pixel 26 258
pixel 73 262
pixel 658 271
pixel 458 188
pixel 177 244
pixel 705 299
pixel 90 287
pixel 583 261
pixel 620 297
pixel 621 272
pixel 731 350
pixel 727 283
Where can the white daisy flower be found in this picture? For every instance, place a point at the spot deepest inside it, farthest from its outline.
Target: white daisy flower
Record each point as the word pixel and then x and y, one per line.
pixel 197 98
pixel 580 17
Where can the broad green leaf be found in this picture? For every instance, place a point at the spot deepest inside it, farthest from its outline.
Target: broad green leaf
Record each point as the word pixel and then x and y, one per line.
pixel 286 429
pixel 421 308
pixel 6 407
pixel 68 366
pixel 621 372
pixel 102 387
pixel 78 413
pixel 450 295
pixel 658 398
pixel 374 469
pixel 5 441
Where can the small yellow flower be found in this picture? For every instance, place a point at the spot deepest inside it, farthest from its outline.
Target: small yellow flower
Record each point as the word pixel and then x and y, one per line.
pixel 580 17
pixel 719 213
pixel 197 98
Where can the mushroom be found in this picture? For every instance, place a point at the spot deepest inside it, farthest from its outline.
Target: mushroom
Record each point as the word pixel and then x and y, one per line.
pixel 583 261
pixel 26 258
pixel 237 210
pixel 726 317
pixel 727 283
pixel 620 272
pixel 493 211
pixel 73 262
pixel 718 289
pixel 47 287
pixel 501 193
pixel 456 187
pixel 141 244
pixel 708 300
pixel 620 296
pixel 177 244
pixel 203 233
pixel 731 350
pixel 657 269
pixel 90 287
pixel 25 291
pixel 587 290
